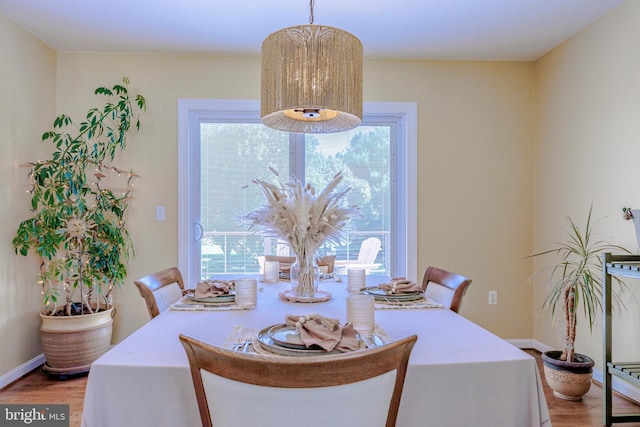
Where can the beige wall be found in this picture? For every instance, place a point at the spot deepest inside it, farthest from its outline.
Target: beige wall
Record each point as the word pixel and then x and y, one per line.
pixel 475 142
pixel 474 216
pixel 587 151
pixel 27 106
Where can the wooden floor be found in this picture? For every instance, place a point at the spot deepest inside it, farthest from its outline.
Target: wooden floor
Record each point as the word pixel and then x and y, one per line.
pixel 586 413
pixel 38 388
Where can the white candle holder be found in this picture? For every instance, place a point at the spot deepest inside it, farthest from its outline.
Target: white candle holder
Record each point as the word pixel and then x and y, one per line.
pixel 361 313
pixel 246 292
pixel 356 280
pixel 271 271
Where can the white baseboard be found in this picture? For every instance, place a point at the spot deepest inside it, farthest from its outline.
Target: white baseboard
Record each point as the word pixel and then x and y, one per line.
pixel 21 370
pixel 530 343
pixel 622 387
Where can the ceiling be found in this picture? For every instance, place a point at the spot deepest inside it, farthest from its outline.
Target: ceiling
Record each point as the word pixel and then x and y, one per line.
pixel 430 29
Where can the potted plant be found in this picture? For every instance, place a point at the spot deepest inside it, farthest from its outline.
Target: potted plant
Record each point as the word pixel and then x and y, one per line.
pixel 575 282
pixel 78 229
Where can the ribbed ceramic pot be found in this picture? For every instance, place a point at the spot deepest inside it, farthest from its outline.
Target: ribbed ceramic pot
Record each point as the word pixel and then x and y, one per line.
pixel 71 343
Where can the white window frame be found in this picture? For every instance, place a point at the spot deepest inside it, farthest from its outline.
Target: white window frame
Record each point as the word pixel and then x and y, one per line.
pixel 404 228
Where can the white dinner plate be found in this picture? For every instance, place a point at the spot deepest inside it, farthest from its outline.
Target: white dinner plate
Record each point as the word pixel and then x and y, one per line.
pixel 381 295
pixel 288 346
pixel 265 341
pixel 286 336
pixel 220 299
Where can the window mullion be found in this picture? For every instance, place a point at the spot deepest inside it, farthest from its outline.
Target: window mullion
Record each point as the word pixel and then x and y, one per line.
pixel 296 156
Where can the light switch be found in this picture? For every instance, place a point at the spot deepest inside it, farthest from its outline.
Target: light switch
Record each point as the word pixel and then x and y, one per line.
pixel 493 297
pixel 160 215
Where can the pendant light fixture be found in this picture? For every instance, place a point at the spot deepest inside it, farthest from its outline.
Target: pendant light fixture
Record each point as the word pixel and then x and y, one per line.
pixel 311 79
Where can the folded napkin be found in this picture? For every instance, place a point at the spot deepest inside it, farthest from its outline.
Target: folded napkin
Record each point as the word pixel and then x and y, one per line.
pixel 315 329
pixel 213 288
pixel 399 285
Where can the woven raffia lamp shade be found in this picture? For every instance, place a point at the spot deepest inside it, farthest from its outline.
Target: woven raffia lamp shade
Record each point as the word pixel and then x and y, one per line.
pixel 311 80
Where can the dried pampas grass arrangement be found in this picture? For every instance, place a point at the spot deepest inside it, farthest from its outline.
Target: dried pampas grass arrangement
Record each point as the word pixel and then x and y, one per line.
pixel 304 218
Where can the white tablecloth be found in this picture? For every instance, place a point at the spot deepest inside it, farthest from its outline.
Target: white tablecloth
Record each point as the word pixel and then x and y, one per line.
pixel 459 374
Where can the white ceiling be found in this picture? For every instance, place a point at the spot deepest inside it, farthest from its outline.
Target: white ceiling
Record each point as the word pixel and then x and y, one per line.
pixel 432 29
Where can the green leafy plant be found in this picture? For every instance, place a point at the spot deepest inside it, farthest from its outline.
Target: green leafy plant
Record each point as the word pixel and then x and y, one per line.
pixel 78 223
pixel 576 280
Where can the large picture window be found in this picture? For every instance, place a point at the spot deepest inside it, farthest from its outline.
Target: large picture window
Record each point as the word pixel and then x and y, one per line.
pixel 223 147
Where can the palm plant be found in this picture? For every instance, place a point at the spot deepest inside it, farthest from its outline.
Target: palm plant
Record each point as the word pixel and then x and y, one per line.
pixel 576 280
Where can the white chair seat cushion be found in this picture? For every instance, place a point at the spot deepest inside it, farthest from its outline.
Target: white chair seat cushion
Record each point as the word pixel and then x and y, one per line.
pixel 232 403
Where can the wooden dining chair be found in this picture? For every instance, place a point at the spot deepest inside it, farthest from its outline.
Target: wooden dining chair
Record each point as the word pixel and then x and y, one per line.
pixel 161 289
pixel 326 263
pixel 445 287
pixel 359 388
pixel 285 261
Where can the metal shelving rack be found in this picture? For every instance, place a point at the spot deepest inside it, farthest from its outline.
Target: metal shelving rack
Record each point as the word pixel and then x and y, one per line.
pixel 618 266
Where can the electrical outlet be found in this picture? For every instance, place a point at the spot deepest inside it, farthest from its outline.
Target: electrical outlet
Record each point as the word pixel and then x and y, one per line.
pixel 493 297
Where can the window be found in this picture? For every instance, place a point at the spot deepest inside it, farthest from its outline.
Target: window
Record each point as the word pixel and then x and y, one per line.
pixel 223 146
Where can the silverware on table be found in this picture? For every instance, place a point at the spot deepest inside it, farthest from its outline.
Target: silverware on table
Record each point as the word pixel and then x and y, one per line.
pixel 243 341
pixel 369 340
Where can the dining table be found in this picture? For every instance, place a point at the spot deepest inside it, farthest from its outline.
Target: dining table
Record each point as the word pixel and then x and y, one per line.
pixel 459 374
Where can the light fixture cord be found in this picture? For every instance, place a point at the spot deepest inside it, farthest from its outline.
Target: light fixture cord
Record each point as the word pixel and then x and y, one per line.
pixel 311 3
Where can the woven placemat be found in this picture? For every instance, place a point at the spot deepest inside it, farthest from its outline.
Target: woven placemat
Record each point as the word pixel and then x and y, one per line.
pixel 415 305
pixel 239 332
pixel 290 296
pixel 185 304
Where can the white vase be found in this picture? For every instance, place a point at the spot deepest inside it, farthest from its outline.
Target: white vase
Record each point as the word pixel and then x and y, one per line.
pixel 305 278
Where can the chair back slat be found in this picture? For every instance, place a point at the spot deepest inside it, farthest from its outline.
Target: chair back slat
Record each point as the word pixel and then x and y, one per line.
pixel 445 287
pixel 369 250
